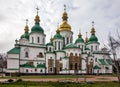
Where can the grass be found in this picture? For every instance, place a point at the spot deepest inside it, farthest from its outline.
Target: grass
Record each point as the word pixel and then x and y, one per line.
pixel 46 76
pixel 60 84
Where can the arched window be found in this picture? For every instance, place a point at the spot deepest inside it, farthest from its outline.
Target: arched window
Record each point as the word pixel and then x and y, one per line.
pixel 43 40
pixel 35 70
pixel 91 48
pixel 76 66
pixel 50 49
pixel 40 55
pixel 38 39
pixel 26 54
pixel 26 70
pixel 51 69
pixel 96 47
pixel 82 47
pixel 71 66
pixel 67 40
pixel 41 70
pixel 60 68
pixel 71 54
pixel 55 45
pixel 95 59
pixel 60 58
pixel 75 54
pixel 32 39
pixel 58 45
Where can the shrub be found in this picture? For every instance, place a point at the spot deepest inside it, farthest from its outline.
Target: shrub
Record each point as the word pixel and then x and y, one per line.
pixel 19 80
pixel 10 80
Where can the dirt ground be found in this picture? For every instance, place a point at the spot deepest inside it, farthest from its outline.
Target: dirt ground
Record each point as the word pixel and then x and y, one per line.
pixel 92 78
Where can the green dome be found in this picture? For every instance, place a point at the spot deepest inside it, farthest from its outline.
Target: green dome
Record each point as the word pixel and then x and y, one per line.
pixel 49 44
pixel 79 40
pixel 57 36
pixel 70 46
pixel 93 38
pixel 25 35
pixel 37 28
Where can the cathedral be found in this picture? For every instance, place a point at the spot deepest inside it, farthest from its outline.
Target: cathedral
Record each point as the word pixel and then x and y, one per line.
pixel 31 55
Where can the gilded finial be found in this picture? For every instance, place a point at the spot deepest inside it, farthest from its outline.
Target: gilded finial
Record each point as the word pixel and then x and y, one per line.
pixel 86 39
pixel 65 17
pixel 26 27
pixel 79 35
pixel 57 31
pixel 37 20
pixel 51 39
pixel 92 30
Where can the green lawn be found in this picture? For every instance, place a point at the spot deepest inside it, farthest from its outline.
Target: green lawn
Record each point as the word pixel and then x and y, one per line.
pixel 47 76
pixel 60 84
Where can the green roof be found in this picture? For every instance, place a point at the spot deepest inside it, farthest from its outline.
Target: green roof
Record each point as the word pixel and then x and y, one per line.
pixel 37 28
pixel 40 66
pixel 102 61
pixel 27 65
pixel 49 44
pixel 79 40
pixel 58 36
pixel 70 46
pixel 86 48
pixel 25 35
pixel 96 67
pixel 65 57
pixel 93 38
pixel 15 50
pixel 109 61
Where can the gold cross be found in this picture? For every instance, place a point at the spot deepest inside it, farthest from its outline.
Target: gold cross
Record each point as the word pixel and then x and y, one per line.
pixel 37 10
pixel 64 7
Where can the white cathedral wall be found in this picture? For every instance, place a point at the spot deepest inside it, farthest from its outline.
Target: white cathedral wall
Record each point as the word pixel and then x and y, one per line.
pixel 12 62
pixel 94 46
pixel 13 56
pixel 32 70
pixel 67 34
pixel 60 55
pixel 35 36
pixel 73 50
pixel 32 52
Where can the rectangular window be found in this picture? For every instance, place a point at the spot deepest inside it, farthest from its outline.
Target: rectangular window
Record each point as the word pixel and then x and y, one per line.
pixel 38 40
pixel 32 40
pixel 91 48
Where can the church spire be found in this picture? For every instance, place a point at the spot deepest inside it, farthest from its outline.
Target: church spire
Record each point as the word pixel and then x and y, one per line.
pixel 86 39
pixel 64 26
pixel 37 18
pixel 93 29
pixel 79 35
pixel 26 27
pixel 65 17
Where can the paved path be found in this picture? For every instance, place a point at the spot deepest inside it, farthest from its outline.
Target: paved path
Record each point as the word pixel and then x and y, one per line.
pixel 92 78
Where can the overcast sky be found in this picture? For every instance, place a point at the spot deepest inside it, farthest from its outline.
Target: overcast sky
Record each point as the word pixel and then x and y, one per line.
pixel 13 13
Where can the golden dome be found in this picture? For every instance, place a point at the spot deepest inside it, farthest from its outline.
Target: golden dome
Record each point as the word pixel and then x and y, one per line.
pixel 65 26
pixel 26 27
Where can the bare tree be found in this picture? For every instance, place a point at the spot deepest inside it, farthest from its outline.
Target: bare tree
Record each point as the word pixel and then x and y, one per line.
pixel 114 44
pixel 3 62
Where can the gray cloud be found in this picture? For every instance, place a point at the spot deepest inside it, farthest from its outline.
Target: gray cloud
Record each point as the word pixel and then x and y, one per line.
pixel 13 13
